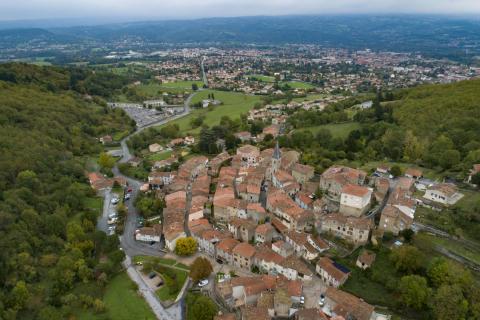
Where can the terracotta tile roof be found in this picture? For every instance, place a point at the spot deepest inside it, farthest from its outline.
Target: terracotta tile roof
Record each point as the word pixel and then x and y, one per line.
pixel 320 242
pixel 447 189
pixel 310 314
pixel 356 223
pixel 367 257
pixel 257 207
pixel 255 313
pixel 347 305
pixel 227 245
pixel 248 149
pixel 405 183
pixel 292 262
pixel 155 230
pixel 344 175
pixel 355 190
pixel 244 249
pixel 243 134
pixel 246 223
pixel 304 198
pixel 302 168
pixel 264 253
pixel 328 266
pixel 279 225
pixel 413 172
pixel 295 288
pixel 196 227
pixel 264 229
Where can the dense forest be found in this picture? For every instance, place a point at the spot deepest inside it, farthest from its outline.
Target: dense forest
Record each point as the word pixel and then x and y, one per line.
pixel 52 259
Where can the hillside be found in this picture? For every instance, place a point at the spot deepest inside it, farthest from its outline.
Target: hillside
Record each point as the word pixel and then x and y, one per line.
pixel 49 250
pixel 430 111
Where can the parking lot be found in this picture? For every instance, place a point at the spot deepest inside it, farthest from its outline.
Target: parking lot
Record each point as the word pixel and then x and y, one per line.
pixel 142 116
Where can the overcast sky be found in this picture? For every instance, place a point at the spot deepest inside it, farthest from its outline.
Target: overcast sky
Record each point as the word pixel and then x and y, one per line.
pixel 161 9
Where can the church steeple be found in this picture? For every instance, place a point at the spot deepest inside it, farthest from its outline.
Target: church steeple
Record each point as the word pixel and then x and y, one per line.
pixel 277 153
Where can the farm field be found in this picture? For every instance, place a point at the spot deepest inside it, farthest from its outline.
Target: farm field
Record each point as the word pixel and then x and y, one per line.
pixel 182 84
pixel 233 105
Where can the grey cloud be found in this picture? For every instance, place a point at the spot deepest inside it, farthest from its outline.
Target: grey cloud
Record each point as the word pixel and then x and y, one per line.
pixel 157 9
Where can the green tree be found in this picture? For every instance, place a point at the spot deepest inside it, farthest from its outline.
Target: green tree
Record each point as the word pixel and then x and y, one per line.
pixel 396 171
pixel 449 158
pixel 407 258
pixel 106 161
pixel 200 269
pixel 194 86
pixel 186 246
pixel 20 295
pixel 449 303
pixel 414 291
pixel 202 309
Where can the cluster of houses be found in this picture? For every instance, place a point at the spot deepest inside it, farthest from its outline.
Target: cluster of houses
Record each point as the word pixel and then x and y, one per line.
pixel 257 211
pixel 266 297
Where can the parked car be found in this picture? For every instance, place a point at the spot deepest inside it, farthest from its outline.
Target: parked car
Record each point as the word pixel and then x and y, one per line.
pixel 321 301
pixel 129 190
pixel 302 299
pixel 115 200
pixel 152 275
pixel 203 283
pixel 127 196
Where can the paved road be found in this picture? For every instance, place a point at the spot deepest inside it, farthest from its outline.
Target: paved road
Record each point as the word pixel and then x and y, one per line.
pixel 102 221
pixel 130 246
pixel 127 240
pixel 204 75
pixel 147 293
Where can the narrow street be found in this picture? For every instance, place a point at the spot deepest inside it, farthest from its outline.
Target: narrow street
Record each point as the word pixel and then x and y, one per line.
pixel 129 245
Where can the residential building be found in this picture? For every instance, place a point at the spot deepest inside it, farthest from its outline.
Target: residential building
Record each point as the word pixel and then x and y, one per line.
pixel 283 248
pixel 242 229
pixel 224 250
pixel 149 234
pixel 264 233
pixel 355 200
pixel 302 173
pixel 443 193
pixel 365 259
pixel 346 305
pixel 249 155
pixel 243 255
pixel 332 273
pixel 352 229
pixel 335 178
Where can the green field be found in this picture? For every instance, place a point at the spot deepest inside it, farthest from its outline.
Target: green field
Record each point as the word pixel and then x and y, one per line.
pixel 122 302
pixel 165 292
pixel 339 130
pixel 299 85
pixel 234 104
pixel 182 84
pixel 261 78
pixel 160 155
pixel 450 245
pixel 310 97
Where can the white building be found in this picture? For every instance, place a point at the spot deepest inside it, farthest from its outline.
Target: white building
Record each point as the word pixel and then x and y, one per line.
pixel 149 234
pixel 355 200
pixel 444 193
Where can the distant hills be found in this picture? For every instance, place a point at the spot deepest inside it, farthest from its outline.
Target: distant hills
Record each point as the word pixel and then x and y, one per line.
pixel 438 36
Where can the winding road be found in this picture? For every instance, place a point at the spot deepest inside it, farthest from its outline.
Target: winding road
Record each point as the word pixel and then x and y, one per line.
pixel 127 240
